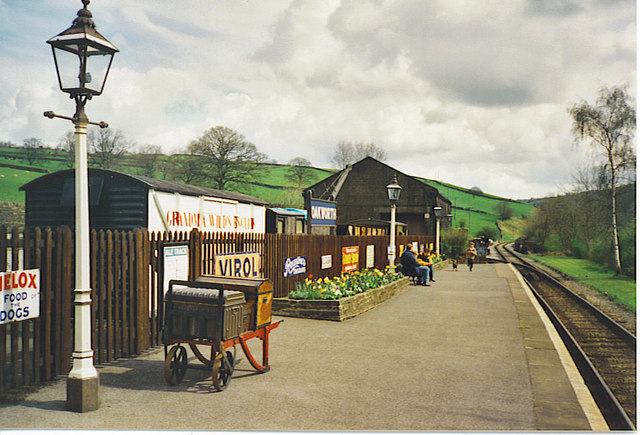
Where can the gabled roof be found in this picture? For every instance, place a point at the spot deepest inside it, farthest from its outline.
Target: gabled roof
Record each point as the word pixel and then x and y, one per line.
pixel 333 179
pixel 155 184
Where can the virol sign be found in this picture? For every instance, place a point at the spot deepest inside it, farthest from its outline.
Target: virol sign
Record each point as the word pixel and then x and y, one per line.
pixel 176 212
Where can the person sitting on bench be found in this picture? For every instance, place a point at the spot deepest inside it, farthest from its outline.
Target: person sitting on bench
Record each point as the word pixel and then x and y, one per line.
pixel 411 267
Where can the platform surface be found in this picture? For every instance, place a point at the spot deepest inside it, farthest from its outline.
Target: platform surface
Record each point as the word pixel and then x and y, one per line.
pixel 470 352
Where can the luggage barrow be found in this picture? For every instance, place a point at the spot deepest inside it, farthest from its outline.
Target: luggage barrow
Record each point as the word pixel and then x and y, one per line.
pixel 221 361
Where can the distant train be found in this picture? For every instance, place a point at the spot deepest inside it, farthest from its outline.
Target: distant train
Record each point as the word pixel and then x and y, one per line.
pixel 482 244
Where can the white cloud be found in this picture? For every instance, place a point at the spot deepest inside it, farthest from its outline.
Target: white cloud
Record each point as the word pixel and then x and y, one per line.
pixel 475 93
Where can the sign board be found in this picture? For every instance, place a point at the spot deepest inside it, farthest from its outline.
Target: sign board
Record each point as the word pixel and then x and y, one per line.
pixel 326 261
pixel 350 258
pixel 371 249
pixel 323 213
pixel 175 264
pixel 295 266
pixel 175 212
pixel 238 264
pixel 20 295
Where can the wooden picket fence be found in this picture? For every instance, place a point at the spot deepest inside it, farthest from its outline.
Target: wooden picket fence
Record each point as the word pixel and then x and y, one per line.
pixel 127 289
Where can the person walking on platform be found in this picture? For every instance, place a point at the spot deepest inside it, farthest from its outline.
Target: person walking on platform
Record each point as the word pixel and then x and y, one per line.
pixel 410 264
pixel 471 255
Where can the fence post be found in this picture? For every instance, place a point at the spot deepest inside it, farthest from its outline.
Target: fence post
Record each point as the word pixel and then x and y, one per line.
pixel 142 290
pixel 195 247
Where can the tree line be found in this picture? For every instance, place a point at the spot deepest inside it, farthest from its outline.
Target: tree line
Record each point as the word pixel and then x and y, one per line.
pixel 596 219
pixel 220 158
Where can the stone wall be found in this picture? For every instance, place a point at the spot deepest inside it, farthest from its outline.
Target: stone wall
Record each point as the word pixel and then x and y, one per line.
pixel 339 309
pixel 12 214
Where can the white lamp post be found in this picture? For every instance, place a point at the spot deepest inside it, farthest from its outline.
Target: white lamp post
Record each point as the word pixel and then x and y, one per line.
pixel 82 58
pixel 437 210
pixel 393 191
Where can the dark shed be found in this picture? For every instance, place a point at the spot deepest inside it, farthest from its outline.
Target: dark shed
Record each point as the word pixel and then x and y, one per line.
pixel 117 201
pixel 360 193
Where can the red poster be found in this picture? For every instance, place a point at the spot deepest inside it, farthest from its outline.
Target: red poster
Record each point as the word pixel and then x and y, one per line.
pixel 350 258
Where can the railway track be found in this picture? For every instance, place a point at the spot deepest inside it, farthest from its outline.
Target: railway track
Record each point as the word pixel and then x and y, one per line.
pixel 604 351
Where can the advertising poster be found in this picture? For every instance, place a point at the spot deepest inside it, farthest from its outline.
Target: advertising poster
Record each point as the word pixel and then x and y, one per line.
pixel 371 249
pixel 175 264
pixel 295 266
pixel 350 258
pixel 238 264
pixel 326 261
pixel 20 293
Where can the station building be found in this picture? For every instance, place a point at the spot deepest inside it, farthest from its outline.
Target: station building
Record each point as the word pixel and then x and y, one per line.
pixel 362 205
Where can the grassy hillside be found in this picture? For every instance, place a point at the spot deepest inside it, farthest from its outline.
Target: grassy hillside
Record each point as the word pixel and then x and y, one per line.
pixel 476 210
pixel 470 208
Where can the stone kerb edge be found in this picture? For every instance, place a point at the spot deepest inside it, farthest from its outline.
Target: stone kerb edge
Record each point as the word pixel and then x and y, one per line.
pixel 339 309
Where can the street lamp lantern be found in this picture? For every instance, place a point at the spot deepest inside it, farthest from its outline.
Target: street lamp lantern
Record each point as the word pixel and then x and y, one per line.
pixel 82 57
pixel 393 190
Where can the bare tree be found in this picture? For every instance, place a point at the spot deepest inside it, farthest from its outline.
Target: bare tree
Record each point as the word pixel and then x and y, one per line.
pixel 67 145
pixel 299 171
pixel 343 155
pixel 107 146
pixel 538 225
pixel 608 126
pixel 186 168
pixel 347 153
pixel 32 147
pixel 227 159
pixel 504 210
pixel 370 149
pixel 149 156
pixel 164 166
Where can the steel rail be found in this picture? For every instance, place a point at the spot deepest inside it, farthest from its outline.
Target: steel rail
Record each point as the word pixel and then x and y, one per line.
pixel 612 411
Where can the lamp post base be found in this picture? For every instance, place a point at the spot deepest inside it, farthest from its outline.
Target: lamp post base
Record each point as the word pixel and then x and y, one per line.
pixel 82 394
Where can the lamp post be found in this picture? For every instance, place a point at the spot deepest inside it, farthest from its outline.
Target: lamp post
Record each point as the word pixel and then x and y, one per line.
pixel 437 210
pixel 82 57
pixel 393 192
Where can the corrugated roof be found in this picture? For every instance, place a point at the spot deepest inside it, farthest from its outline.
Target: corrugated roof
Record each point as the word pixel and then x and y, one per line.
pixel 160 185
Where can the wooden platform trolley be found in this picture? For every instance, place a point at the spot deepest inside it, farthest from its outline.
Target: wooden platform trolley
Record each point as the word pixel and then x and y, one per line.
pixel 219 313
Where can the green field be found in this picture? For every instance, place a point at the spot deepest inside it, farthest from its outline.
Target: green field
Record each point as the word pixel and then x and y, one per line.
pixel 621 288
pixel 471 209
pixel 476 210
pixel 10 182
pixel 512 228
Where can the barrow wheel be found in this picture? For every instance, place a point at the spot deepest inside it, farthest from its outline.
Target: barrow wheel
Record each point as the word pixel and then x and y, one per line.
pixel 222 370
pixel 175 365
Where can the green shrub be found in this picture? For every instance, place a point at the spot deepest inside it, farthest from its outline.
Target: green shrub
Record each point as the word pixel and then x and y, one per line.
pixel 489 232
pixel 579 249
pixel 602 253
pixel 454 242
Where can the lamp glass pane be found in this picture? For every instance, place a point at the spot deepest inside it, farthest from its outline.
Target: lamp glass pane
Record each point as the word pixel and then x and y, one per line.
pixel 394 193
pixel 68 65
pixel 97 67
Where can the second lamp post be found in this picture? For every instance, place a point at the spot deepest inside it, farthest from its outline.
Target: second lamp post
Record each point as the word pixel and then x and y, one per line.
pixel 393 192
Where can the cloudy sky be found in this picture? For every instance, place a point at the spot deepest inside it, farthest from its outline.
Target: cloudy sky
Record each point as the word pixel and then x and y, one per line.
pixel 474 93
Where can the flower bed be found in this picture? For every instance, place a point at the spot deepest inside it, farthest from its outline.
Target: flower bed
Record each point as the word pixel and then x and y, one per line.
pixel 342 297
pixel 347 284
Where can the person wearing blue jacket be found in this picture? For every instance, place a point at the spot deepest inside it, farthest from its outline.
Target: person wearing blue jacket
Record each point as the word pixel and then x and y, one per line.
pixel 411 267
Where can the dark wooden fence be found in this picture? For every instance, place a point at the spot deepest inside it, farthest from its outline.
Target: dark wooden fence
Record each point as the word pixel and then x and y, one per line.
pixel 278 247
pixel 127 293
